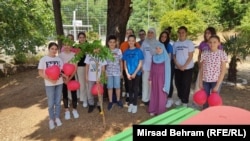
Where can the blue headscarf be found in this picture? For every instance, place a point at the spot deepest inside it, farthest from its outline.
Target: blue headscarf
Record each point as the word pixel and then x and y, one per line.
pixel 160 58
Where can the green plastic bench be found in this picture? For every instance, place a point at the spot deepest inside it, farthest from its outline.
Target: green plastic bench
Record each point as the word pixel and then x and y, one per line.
pixel 172 117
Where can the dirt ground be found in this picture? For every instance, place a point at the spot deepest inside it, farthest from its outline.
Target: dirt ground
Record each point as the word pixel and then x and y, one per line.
pixel 24 114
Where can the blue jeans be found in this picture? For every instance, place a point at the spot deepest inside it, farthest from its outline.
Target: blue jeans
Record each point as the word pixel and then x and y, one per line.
pixel 113 82
pixel 54 94
pixel 208 87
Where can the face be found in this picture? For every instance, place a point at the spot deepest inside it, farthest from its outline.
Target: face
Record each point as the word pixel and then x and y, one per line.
pixel 158 50
pixel 129 32
pixel 207 34
pixel 150 34
pixel 142 35
pixel 164 37
pixel 131 41
pixel 214 43
pixel 67 48
pixel 182 34
pixel 82 38
pixel 71 38
pixel 112 43
pixel 53 50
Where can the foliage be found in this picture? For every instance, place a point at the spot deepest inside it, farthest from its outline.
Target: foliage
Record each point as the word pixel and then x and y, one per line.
pixel 231 12
pixel 24 25
pixel 245 26
pixel 183 18
pixel 20 58
pixel 237 47
pixel 92 36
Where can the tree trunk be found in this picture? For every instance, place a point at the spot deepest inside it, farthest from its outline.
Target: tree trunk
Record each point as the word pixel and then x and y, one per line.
pixel 58 20
pixel 118 15
pixel 232 70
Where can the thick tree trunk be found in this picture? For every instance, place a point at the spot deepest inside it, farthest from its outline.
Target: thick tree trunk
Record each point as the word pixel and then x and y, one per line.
pixel 118 15
pixel 58 20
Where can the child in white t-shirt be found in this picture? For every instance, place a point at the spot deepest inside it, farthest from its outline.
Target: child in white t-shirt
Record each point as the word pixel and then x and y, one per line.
pixel 92 77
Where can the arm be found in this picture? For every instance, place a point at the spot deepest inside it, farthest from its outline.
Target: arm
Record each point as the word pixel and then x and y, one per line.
pixel 137 69
pixel 121 67
pixel 201 76
pixel 176 63
pixel 44 76
pixel 72 75
pixel 190 58
pixel 221 76
pixel 86 72
pixel 199 58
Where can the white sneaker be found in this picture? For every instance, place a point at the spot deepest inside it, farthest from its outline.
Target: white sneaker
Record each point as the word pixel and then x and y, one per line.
pixel 152 114
pixel 170 102
pixel 75 114
pixel 58 122
pixel 134 109
pixel 184 104
pixel 67 115
pixel 51 124
pixel 130 107
pixel 178 102
pixel 85 104
pixel 123 94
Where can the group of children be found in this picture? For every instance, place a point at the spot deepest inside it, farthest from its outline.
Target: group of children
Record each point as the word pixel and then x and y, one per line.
pixel 150 64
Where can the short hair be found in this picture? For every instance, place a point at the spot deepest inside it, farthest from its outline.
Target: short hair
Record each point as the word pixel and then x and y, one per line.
pixel 131 30
pixel 52 44
pixel 133 36
pixel 216 37
pixel 112 37
pixel 183 27
pixel 142 30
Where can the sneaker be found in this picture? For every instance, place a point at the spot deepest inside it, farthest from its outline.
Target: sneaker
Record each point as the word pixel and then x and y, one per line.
pixel 134 109
pixel 123 94
pixel 170 102
pixel 58 122
pixel 184 104
pixel 84 104
pixel 120 104
pixel 152 114
pixel 67 115
pixel 99 109
pixel 75 114
pixel 178 102
pixel 51 124
pixel 91 108
pixel 130 107
pixel 110 105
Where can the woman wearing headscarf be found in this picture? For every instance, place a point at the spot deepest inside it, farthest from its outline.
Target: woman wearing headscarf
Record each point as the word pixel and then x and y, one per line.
pixel 159 79
pixel 148 49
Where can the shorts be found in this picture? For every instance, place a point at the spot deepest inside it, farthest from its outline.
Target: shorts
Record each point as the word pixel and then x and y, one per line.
pixel 113 82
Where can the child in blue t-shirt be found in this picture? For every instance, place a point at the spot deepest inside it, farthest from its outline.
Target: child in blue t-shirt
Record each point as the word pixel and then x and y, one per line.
pixel 133 62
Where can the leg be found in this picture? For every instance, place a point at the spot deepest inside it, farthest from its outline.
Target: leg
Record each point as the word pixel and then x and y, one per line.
pixel 50 92
pixel 187 80
pixel 145 87
pixel 65 96
pixel 58 95
pixel 178 83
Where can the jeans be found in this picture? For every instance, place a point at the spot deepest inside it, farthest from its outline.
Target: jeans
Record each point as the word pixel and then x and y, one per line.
pixel 208 87
pixel 54 94
pixel 133 85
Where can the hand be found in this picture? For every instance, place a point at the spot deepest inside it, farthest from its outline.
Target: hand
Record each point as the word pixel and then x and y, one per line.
pixel 149 82
pixel 182 68
pixel 215 89
pixel 133 76
pixel 200 85
pixel 129 76
pixel 53 81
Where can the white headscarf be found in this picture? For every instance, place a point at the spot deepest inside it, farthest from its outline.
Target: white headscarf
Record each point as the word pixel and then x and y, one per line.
pixel 152 42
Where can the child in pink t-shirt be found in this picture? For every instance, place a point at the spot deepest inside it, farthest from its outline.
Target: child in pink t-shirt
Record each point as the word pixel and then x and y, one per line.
pixel 213 67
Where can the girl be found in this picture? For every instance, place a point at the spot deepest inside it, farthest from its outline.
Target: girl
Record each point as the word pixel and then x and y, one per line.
pixel 160 80
pixel 204 46
pixel 165 39
pixel 213 67
pixel 183 59
pixel 53 87
pixel 81 69
pixel 148 49
pixel 132 62
pixel 66 57
pixel 114 72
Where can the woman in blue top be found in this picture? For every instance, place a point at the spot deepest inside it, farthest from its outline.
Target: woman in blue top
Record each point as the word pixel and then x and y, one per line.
pixel 165 39
pixel 133 62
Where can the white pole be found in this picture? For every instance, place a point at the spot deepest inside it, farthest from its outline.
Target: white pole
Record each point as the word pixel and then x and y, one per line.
pixel 74 24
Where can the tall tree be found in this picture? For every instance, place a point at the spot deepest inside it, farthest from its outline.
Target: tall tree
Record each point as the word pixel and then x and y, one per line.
pixel 58 20
pixel 118 15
